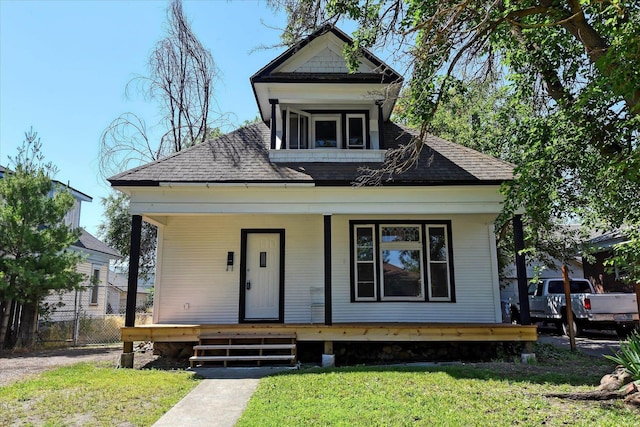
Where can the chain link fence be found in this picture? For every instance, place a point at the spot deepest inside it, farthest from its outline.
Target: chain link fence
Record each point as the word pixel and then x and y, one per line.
pixel 93 315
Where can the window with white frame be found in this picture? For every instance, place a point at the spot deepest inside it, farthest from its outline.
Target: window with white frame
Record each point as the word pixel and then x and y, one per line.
pixel 95 286
pixel 297 130
pixel 401 262
pixel 356 137
pixel 324 129
pixel 365 265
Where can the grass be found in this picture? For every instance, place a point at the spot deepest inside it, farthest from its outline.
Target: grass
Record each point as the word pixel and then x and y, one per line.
pixel 93 394
pixel 455 395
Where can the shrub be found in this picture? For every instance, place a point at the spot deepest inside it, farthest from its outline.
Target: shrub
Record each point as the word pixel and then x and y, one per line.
pixel 629 355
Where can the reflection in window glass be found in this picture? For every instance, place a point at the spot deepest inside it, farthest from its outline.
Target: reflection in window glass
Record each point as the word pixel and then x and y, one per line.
pixel 400 234
pixel 439 282
pixel 401 270
pixel 437 244
pixel 365 263
pixel 326 133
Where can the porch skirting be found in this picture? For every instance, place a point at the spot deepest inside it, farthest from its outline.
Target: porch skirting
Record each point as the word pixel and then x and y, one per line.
pixel 374 332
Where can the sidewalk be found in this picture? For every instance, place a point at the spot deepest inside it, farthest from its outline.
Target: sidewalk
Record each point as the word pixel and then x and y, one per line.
pixel 219 399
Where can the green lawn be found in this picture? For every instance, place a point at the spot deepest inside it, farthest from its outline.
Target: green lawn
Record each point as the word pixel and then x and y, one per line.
pixel 90 394
pixel 497 394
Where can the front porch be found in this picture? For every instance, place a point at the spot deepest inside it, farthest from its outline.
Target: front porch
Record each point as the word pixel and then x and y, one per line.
pixel 377 332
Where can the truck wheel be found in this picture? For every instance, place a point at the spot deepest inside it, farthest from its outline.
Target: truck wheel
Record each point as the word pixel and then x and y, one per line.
pixel 565 327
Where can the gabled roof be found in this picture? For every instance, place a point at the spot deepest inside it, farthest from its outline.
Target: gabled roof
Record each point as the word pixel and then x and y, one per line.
pixel 89 242
pixel 318 60
pixel 242 156
pixel 384 74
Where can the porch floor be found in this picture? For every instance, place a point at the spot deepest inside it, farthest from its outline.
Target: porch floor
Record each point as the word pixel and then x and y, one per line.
pixel 376 332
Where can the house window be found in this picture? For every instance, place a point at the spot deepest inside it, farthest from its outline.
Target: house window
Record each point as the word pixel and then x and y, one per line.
pixel 438 262
pixel 365 277
pixel 326 131
pixel 401 262
pixel 95 286
pixel 298 130
pixel 355 131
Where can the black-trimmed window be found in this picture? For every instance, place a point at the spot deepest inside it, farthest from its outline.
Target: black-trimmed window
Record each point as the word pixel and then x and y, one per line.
pixel 401 261
pixel 318 129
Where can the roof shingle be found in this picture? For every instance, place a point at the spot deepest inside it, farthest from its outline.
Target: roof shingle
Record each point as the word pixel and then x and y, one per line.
pixel 242 156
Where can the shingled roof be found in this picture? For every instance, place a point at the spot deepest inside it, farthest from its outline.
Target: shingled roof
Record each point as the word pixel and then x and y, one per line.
pixel 88 241
pixel 242 156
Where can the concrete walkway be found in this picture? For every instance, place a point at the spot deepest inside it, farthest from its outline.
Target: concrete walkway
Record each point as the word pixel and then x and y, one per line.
pixel 219 399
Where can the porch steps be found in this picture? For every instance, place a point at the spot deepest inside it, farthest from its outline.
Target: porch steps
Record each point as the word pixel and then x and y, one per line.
pixel 254 349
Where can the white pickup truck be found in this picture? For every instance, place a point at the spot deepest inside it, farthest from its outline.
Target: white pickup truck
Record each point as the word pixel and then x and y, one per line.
pixel 547 304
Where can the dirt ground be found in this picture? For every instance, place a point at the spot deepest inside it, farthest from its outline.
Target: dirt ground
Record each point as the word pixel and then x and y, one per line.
pixel 16 366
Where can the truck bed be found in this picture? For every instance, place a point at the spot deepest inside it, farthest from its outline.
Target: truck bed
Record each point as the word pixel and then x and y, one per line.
pixel 616 303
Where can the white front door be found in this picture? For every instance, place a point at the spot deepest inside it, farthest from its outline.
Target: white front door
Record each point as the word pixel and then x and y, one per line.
pixel 262 284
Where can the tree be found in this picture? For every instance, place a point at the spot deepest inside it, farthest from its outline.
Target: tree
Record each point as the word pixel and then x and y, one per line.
pixel 116 232
pixel 182 76
pixel 34 255
pixel 572 75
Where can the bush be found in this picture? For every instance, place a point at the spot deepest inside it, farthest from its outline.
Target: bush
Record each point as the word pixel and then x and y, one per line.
pixel 629 355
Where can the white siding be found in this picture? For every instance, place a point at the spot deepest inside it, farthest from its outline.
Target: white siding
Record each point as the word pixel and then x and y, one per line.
pixel 473 273
pixel 194 285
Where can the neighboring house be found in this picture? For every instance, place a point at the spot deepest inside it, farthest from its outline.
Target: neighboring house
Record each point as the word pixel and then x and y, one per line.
pixel 262 230
pixel 93 300
pixel 95 266
pixel 117 294
pixel 595 268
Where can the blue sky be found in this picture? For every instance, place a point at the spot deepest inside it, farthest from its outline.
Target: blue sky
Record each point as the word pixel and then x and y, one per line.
pixel 64 66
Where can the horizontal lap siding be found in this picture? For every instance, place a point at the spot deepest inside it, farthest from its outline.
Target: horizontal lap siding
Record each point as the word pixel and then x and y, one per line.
pixel 195 286
pixel 474 287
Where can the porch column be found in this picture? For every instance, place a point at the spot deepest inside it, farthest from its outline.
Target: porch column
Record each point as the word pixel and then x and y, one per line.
pixel 521 270
pixel 132 288
pixel 380 124
pixel 273 103
pixel 327 270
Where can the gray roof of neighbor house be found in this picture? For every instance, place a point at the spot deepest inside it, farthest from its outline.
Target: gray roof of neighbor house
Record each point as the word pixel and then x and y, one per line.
pixel 88 241
pixel 242 156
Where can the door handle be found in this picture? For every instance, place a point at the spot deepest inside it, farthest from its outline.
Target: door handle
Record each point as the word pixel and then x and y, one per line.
pixel 248 284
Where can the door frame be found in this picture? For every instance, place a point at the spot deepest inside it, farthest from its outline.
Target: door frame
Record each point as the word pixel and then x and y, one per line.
pixel 244 233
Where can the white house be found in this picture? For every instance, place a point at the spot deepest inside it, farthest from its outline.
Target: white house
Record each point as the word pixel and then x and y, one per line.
pixel 261 231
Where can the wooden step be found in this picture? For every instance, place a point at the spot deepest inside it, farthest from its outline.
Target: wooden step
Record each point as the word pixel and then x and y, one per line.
pixel 241 358
pixel 247 336
pixel 244 347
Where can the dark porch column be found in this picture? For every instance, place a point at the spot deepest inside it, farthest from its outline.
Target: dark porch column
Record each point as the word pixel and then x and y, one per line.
pixel 132 288
pixel 327 271
pixel 273 103
pixel 521 270
pixel 380 125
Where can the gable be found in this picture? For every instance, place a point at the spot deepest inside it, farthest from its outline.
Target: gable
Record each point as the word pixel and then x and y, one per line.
pixel 322 55
pixel 314 72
